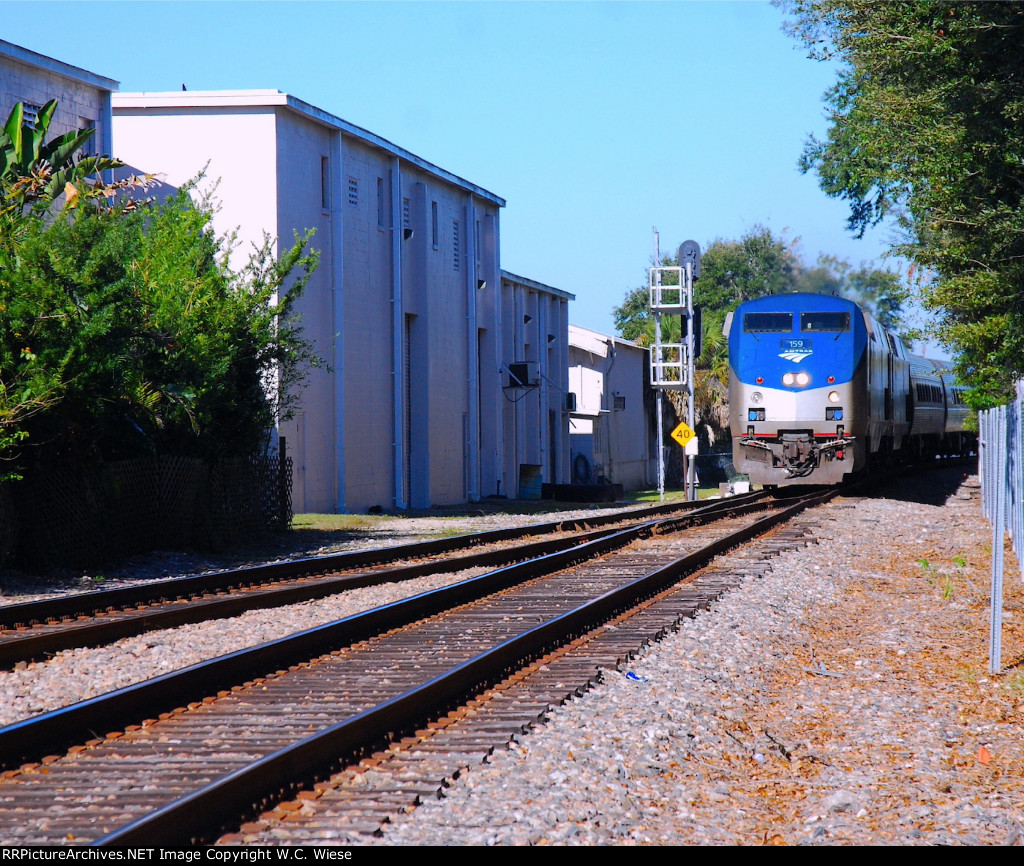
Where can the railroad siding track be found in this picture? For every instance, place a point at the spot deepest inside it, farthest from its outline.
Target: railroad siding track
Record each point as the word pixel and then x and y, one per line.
pixel 114 780
pixel 35 630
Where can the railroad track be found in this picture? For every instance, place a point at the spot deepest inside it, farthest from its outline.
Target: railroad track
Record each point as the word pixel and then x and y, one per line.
pixel 196 751
pixel 38 629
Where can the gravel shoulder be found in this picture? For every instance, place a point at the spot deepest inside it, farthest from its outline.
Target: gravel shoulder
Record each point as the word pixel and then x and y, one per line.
pixel 842 699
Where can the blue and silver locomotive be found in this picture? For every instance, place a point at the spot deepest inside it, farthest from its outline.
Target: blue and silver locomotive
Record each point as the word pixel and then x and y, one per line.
pixel 818 390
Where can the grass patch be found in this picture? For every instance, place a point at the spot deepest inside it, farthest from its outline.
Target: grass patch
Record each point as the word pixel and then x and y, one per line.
pixel 336 522
pixel 670 495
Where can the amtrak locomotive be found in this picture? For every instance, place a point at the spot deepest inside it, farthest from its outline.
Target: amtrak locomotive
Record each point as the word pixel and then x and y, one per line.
pixel 818 390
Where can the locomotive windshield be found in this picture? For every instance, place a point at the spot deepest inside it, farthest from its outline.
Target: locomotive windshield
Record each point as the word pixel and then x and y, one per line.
pixel 766 323
pixel 824 322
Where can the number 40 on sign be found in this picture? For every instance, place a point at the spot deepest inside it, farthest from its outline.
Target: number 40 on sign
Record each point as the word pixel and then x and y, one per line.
pixel 686 437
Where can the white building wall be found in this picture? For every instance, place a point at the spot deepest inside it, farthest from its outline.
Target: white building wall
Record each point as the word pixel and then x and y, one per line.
pixel 367 327
pixel 535 420
pixel 299 152
pixel 83 98
pixel 178 144
pixel 398 315
pixel 610 428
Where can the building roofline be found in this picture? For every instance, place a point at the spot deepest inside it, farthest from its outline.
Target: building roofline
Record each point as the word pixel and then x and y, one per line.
pixel 539 287
pixel 600 336
pixel 41 61
pixel 277 98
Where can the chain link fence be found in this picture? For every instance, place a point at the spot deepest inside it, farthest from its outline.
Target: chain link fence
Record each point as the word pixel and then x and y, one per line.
pixel 1001 470
pixel 72 516
pixel 1001 467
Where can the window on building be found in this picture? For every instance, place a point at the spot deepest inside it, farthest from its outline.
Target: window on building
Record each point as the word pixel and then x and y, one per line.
pixel 433 223
pixel 353 192
pixel 456 246
pixel 406 214
pixel 325 183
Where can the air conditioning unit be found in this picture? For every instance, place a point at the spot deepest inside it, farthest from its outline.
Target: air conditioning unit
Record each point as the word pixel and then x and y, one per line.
pixel 524 375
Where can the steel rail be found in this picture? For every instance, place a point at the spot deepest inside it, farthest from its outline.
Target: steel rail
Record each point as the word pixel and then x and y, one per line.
pixel 37 644
pixel 170 615
pixel 182 587
pixel 206 812
pixel 48 733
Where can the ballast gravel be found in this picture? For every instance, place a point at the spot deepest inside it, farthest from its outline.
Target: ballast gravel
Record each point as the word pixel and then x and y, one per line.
pixel 842 698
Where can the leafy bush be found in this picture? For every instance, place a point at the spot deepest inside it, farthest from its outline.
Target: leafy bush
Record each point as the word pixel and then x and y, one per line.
pixel 123 330
pixel 142 339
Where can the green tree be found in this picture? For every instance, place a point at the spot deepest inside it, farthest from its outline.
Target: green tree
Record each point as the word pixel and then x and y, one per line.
pixel 122 328
pixel 732 271
pixel 927 130
pixel 35 172
pixel 876 289
pixel 758 264
pixel 147 341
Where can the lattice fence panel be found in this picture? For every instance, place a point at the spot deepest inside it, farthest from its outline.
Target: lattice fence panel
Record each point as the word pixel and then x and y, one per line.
pixel 74 517
pixel 62 523
pixel 8 526
pixel 180 483
pixel 131 506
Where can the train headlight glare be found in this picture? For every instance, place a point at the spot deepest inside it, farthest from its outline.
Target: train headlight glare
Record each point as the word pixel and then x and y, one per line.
pixel 788 379
pixel 802 378
pixel 756 397
pixel 833 396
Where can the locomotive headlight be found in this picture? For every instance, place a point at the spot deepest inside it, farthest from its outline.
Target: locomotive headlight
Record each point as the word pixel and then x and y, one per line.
pixel 788 379
pixel 833 396
pixel 802 378
pixel 756 397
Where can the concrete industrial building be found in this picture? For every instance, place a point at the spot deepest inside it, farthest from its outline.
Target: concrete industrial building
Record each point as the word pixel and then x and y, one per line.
pixel 535 327
pixel 409 307
pixel 609 429
pixel 83 98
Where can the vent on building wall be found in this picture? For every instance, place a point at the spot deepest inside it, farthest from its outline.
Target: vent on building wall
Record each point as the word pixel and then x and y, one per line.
pixel 570 402
pixel 524 375
pixel 30 113
pixel 618 403
pixel 456 246
pixel 407 231
pixel 353 192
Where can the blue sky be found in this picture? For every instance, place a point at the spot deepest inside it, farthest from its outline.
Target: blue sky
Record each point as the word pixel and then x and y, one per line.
pixel 596 121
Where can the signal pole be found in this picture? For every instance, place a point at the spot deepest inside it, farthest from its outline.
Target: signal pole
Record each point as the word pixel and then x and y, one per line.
pixel 672 364
pixel 657 343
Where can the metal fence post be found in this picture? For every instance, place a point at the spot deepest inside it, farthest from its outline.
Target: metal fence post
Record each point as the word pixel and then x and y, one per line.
pixel 1001 471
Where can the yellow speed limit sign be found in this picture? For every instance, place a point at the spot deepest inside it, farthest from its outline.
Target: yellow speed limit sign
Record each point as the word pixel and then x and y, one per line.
pixel 682 434
pixel 685 437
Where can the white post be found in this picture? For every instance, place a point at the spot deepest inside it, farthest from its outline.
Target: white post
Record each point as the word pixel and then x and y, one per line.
pixel 997 444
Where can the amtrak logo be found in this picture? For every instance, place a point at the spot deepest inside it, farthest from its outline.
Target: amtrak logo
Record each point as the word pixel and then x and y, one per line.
pixel 795 357
pixel 795 349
